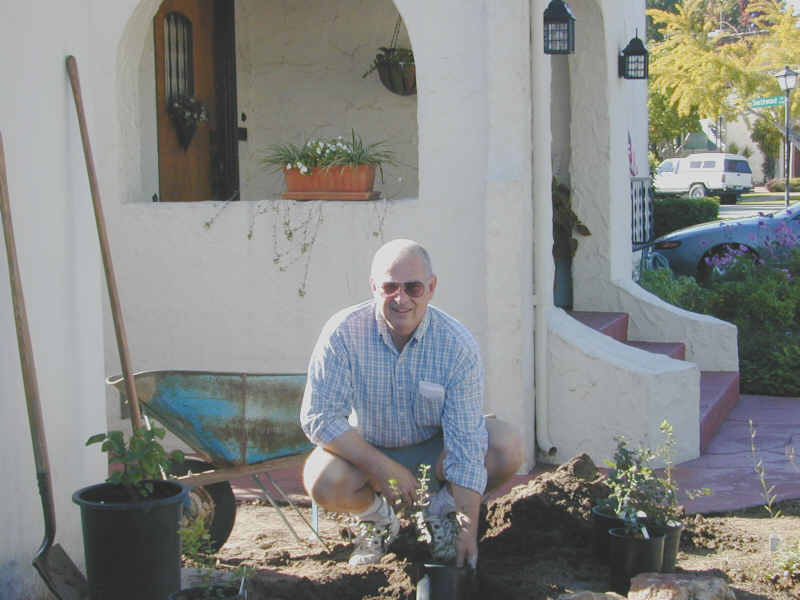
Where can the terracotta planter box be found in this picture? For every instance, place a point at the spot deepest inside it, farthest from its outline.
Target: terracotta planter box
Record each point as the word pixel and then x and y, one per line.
pixel 331 183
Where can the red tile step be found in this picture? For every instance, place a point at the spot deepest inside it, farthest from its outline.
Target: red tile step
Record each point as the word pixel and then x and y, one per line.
pixel 719 395
pixel 613 324
pixel 676 350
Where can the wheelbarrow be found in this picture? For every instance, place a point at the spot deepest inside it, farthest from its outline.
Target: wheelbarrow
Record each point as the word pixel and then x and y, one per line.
pixel 240 424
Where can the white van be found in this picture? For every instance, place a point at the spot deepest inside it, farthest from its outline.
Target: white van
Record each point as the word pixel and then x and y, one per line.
pixel 709 173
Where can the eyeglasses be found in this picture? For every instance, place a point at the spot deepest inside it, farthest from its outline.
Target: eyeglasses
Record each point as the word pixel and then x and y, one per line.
pixel 413 289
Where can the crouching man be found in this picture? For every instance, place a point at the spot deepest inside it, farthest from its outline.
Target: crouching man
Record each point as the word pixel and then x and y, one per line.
pixel 395 383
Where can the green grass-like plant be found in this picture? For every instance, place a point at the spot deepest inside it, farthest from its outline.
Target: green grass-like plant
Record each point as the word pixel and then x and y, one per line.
pixel 327 152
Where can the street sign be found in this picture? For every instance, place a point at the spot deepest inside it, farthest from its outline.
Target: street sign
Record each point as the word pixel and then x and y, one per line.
pixel 771 101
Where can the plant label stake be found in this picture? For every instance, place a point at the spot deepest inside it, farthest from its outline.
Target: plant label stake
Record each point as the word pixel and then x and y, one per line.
pixel 56 568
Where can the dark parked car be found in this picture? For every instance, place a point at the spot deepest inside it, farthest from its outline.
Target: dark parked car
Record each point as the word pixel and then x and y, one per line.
pixel 766 236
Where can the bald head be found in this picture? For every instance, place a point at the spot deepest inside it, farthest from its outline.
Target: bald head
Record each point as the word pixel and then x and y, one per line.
pixel 396 250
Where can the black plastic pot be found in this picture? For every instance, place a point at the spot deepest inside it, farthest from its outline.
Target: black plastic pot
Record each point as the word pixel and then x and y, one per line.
pixel 446 582
pixel 601 523
pixel 132 549
pixel 217 591
pixel 672 542
pixel 629 556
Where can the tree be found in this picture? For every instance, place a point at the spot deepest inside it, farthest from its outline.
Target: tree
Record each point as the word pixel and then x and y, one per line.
pixel 713 60
pixel 668 129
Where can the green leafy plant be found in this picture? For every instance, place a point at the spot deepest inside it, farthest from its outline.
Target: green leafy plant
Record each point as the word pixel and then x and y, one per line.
pixel 786 567
pixel 445 550
pixel 327 152
pixel 565 222
pixel 639 495
pixel 142 459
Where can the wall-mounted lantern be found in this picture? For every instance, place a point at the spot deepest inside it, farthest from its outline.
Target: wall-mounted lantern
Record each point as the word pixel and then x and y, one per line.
pixel 634 59
pixel 559 28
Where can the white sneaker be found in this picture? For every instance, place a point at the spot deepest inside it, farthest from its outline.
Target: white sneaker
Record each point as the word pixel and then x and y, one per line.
pixel 373 538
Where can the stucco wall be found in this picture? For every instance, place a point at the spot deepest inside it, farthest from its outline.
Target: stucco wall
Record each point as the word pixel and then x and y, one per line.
pixel 213 298
pixel 61 276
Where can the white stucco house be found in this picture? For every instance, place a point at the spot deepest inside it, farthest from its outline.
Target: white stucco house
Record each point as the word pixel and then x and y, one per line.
pixel 212 285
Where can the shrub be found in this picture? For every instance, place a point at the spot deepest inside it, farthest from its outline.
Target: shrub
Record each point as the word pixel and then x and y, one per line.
pixel 763 302
pixel 681 291
pixel 672 212
pixel 779 185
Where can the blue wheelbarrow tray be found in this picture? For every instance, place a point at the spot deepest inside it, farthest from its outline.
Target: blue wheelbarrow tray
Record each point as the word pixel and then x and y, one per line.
pixel 231 419
pixel 243 424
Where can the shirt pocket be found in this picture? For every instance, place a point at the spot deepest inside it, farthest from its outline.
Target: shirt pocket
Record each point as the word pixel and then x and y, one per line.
pixel 429 404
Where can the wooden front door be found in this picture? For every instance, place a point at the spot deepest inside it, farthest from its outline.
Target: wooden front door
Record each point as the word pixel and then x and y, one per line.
pixel 185 60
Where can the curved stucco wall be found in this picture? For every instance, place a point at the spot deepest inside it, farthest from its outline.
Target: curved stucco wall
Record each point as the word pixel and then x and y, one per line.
pixel 603 388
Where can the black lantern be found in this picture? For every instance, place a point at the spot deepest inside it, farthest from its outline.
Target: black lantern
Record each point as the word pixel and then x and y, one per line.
pixel 559 28
pixel 634 59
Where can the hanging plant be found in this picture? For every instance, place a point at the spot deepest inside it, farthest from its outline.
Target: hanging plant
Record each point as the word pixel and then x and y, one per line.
pixel 395 66
pixel 185 112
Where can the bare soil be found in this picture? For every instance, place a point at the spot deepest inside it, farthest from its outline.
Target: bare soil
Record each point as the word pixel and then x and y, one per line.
pixel 535 544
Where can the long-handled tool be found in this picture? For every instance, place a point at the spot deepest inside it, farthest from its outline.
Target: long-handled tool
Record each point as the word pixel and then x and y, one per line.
pixel 113 294
pixel 55 567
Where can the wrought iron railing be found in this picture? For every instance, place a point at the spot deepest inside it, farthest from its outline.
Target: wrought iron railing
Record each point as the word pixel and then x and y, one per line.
pixel 641 212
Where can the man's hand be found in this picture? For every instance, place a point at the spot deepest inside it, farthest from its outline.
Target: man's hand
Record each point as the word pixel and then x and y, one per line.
pixel 467 543
pixel 468 505
pixel 395 482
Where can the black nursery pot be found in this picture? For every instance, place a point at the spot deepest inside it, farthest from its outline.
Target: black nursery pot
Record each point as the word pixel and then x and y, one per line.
pixel 446 582
pixel 132 549
pixel 629 556
pixel 601 523
pixel 672 542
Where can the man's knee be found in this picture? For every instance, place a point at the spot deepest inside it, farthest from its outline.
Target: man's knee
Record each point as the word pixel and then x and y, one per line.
pixel 328 478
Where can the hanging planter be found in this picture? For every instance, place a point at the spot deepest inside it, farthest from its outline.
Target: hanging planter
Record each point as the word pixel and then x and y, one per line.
pixel 395 66
pixel 185 112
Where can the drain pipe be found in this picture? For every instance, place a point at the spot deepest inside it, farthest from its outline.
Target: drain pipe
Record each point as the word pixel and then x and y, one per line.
pixel 544 267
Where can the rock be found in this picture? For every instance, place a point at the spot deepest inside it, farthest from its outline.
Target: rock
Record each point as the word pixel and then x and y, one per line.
pixel 675 586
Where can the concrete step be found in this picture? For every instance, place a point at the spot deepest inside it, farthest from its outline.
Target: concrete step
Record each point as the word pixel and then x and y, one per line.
pixel 719 394
pixel 613 324
pixel 676 350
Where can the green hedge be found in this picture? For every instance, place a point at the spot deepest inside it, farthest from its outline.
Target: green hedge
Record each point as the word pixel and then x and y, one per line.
pixel 779 185
pixel 763 303
pixel 673 212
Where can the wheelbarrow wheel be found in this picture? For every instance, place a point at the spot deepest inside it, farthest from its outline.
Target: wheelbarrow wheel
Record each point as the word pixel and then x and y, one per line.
pixel 214 503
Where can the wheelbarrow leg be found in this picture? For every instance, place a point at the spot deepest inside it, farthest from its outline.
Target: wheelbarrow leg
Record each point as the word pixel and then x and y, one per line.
pixel 314 525
pixel 257 479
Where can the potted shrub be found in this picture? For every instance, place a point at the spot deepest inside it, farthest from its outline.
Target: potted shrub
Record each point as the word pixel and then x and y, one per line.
pixel 565 224
pixel 646 505
pixel 440 577
pixel 130 523
pixel 395 66
pixel 332 168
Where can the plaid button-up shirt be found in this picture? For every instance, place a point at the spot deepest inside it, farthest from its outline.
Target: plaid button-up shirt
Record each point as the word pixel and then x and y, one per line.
pixel 358 379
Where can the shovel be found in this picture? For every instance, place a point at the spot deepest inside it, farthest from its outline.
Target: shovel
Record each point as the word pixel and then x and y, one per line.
pixel 59 572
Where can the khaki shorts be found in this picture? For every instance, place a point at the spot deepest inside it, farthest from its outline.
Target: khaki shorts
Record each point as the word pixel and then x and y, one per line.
pixel 423 453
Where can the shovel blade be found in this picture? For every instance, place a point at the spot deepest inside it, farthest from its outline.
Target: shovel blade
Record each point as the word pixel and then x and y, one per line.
pixel 61 575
